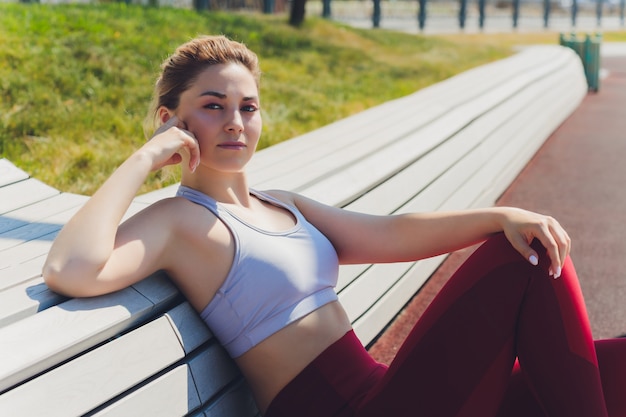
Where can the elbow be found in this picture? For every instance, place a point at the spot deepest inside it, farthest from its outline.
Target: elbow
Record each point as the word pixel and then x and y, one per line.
pixel 62 281
pixel 72 280
pixel 52 277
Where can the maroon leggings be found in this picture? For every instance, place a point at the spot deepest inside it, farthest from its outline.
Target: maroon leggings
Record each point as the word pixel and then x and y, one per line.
pixel 502 338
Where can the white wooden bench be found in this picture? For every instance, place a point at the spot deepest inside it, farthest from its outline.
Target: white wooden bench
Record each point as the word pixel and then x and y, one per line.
pixel 144 351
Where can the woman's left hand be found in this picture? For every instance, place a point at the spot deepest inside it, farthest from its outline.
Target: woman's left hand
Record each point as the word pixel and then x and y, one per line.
pixel 521 227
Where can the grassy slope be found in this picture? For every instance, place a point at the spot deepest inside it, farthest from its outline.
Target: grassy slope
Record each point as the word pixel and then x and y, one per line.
pixel 75 81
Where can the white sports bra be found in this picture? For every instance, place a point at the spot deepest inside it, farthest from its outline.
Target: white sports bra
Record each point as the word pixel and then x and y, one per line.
pixel 276 277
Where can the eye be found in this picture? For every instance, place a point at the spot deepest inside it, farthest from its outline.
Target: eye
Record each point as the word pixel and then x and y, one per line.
pixel 212 106
pixel 250 108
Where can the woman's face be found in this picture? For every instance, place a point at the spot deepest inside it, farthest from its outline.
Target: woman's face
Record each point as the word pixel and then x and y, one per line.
pixel 222 110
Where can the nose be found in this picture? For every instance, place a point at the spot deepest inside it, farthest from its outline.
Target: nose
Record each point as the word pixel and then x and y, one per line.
pixel 234 123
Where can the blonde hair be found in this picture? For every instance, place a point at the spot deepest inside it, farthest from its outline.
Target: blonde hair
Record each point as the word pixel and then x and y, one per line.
pixel 182 68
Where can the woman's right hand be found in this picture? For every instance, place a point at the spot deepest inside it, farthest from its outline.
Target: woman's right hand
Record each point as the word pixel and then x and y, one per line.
pixel 169 139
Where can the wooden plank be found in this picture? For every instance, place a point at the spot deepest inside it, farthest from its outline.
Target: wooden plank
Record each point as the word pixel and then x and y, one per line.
pixel 377 167
pixel 170 395
pixel 26 251
pixel 9 173
pixel 311 147
pixel 362 293
pixel 39 342
pixel 237 402
pixel 213 370
pixel 16 195
pixel 370 324
pixel 12 275
pixel 157 288
pixel 511 145
pixel 25 300
pixel 112 368
pixel 28 297
pixel 191 330
pixel 544 122
pixel 39 211
pixel 38 237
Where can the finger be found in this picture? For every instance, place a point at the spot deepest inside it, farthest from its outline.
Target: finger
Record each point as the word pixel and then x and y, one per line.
pixel 563 241
pixel 549 242
pixel 194 154
pixel 521 244
pixel 191 143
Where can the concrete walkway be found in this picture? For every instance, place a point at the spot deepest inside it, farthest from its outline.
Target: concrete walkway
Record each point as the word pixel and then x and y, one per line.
pixel 579 177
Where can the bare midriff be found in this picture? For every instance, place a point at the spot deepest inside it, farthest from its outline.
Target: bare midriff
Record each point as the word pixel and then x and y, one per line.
pixel 273 363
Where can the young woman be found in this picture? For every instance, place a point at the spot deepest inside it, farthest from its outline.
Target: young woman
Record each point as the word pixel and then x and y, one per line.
pixel 260 268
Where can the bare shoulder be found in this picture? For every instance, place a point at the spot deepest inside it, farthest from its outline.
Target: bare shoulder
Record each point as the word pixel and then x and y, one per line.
pixel 200 249
pixel 176 214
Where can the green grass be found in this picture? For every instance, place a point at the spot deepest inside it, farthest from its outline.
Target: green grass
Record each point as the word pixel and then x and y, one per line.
pixel 75 81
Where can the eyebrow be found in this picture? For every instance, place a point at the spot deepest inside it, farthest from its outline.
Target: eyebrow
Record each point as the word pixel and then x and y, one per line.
pixel 223 96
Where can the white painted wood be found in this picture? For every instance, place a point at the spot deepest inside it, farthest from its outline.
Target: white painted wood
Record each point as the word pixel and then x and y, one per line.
pixel 26 299
pixel 23 193
pixel 236 402
pixel 368 326
pixel 32 241
pixel 39 342
pixel 170 395
pixel 191 330
pixel 112 368
pixel 12 275
pixel 9 173
pixel 157 288
pixel 213 370
pixel 409 111
pixel 39 211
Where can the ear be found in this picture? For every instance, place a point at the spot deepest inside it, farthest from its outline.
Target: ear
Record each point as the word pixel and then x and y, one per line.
pixel 164 114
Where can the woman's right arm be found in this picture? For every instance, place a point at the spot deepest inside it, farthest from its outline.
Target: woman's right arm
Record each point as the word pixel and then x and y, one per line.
pixel 92 255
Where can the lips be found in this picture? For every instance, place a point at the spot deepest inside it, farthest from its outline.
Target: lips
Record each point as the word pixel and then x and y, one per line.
pixel 232 145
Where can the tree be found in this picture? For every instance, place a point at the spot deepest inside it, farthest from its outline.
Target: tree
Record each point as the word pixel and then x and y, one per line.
pixel 296 17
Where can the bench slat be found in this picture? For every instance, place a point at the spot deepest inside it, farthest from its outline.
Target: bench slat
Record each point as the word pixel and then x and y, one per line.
pixel 236 402
pixel 26 300
pixel 11 275
pixel 175 392
pixel 212 371
pixel 408 113
pixel 369 325
pixel 170 395
pixel 191 330
pixel 39 211
pixel 9 173
pixel 113 368
pixel 23 193
pixel 51 336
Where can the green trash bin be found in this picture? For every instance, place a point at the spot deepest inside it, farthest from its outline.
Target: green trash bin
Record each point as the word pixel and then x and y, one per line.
pixel 588 49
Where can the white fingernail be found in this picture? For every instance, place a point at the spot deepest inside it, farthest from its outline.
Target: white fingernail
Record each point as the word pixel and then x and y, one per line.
pixel 557 273
pixel 533 260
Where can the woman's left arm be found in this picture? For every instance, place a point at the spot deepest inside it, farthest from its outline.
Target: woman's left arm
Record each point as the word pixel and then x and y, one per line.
pixel 363 238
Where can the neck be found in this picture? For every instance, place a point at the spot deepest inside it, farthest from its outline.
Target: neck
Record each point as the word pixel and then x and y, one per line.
pixel 230 188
